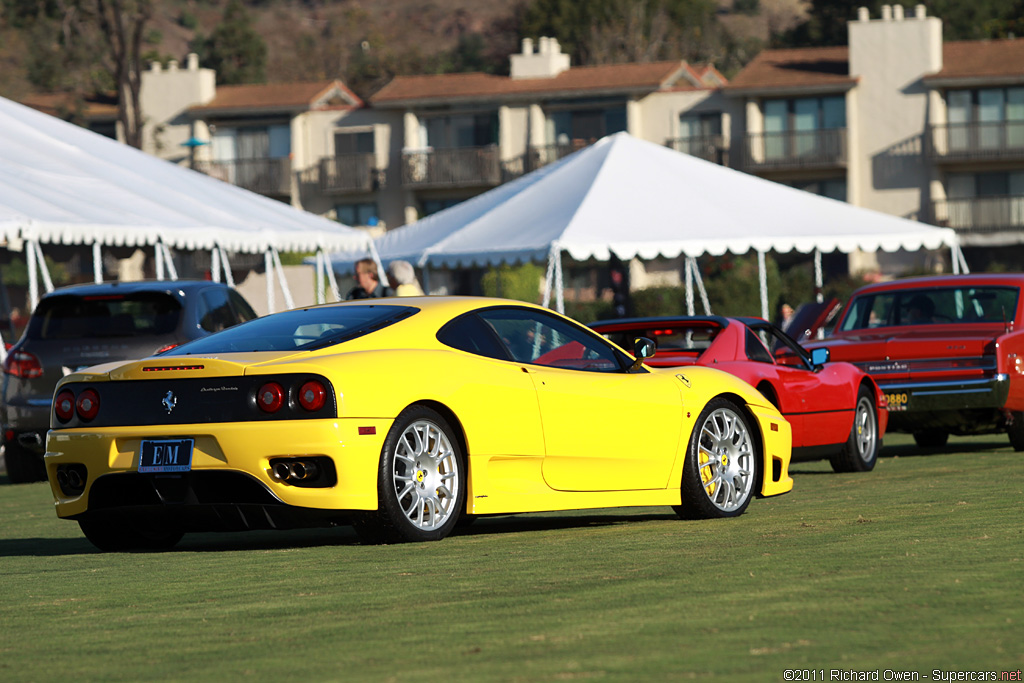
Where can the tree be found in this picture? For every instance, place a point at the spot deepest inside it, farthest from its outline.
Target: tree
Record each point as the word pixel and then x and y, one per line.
pixel 975 20
pixel 234 49
pixel 123 22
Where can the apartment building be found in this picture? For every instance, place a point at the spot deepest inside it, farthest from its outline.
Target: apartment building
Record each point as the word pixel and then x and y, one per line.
pixel 897 121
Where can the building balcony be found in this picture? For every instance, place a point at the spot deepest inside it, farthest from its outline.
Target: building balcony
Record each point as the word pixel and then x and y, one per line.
pixel 264 176
pixel 981 215
pixel 999 141
pixel 345 173
pixel 456 167
pixel 708 147
pixel 795 150
pixel 540 156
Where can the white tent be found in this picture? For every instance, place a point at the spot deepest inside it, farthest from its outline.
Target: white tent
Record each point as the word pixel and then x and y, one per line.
pixel 633 198
pixel 62 184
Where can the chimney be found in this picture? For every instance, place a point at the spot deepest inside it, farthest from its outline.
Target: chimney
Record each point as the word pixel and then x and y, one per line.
pixel 547 62
pixel 886 12
pixel 863 14
pixel 193 61
pixel 897 12
pixel 920 11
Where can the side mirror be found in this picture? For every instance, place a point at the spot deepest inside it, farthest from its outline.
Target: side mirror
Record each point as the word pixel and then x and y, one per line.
pixel 820 356
pixel 643 348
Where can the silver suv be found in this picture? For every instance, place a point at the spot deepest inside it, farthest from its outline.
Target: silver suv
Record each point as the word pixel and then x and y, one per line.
pixel 83 325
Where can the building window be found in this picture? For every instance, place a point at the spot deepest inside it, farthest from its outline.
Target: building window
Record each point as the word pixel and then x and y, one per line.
pixel 362 214
pixel 791 125
pixel 252 142
pixel 994 184
pixel 584 126
pixel 985 117
pixel 431 206
pixel 353 143
pixel 700 135
pixel 834 188
pixel 468 130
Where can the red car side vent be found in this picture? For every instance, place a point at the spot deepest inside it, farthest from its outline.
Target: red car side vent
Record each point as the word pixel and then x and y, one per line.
pixel 165 368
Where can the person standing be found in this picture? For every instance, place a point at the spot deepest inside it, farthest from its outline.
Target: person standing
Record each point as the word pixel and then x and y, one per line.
pixel 368 285
pixel 402 278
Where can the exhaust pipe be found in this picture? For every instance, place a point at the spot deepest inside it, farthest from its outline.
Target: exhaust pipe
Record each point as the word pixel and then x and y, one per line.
pixel 74 479
pixel 296 470
pixel 62 479
pixel 300 470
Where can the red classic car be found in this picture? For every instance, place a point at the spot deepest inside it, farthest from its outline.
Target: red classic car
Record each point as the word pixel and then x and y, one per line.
pixel 948 351
pixel 835 409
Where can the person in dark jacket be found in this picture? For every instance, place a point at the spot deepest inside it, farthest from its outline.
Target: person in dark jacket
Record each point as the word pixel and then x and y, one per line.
pixel 368 285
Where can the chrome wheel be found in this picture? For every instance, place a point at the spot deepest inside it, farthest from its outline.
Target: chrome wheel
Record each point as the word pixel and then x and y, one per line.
pixel 865 431
pixel 426 475
pixel 726 457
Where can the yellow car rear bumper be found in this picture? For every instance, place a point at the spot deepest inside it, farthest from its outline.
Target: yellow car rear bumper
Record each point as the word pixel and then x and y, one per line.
pixel 245 447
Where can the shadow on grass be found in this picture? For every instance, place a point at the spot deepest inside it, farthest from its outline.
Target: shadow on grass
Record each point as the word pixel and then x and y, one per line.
pixel 546 522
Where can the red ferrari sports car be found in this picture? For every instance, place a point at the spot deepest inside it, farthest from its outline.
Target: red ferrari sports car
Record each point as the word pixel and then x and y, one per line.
pixel 836 410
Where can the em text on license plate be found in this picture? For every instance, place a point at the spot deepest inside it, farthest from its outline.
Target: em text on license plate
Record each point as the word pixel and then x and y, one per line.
pixel 165 455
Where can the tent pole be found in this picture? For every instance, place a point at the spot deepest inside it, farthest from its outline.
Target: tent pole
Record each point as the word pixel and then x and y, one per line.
pixel 332 279
pixel 688 272
pixel 321 294
pixel 171 270
pixel 268 265
pixel 963 260
pixel 43 269
pixel 549 278
pixel 288 301
pixel 3 349
pixel 700 286
pixel 762 274
pixel 559 284
pixel 426 279
pixel 819 281
pixel 215 263
pixel 228 277
pixel 97 263
pixel 158 257
pixel 33 275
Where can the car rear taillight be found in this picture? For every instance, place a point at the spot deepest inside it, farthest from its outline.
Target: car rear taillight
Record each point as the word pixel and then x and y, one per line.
pixel 88 404
pixel 270 397
pixel 64 405
pixel 312 396
pixel 23 364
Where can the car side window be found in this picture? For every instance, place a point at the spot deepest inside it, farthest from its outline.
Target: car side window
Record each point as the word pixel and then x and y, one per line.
pixel 540 339
pixel 471 334
pixel 243 311
pixel 755 348
pixel 215 312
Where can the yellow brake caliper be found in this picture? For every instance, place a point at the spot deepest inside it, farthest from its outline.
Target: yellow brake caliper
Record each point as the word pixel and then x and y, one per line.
pixel 706 475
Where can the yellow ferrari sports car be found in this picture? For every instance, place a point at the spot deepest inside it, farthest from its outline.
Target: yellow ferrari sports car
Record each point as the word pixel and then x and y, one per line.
pixel 400 417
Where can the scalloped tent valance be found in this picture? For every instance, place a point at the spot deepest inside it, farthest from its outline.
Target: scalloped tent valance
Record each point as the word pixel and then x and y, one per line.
pixel 62 184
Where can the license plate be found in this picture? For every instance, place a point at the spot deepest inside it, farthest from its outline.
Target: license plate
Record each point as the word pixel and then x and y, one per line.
pixel 165 455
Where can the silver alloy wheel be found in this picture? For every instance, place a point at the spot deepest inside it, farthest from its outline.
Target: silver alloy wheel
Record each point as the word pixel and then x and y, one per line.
pixel 426 475
pixel 726 455
pixel 865 430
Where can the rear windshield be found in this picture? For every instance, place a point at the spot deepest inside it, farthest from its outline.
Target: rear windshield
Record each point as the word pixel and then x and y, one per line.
pixel 137 314
pixel 299 330
pixel 668 338
pixel 940 305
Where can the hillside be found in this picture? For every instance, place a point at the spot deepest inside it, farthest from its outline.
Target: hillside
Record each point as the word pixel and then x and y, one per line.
pixel 316 39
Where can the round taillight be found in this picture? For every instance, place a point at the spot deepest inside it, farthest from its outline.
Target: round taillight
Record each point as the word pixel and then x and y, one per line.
pixel 64 405
pixel 270 397
pixel 312 396
pixel 88 404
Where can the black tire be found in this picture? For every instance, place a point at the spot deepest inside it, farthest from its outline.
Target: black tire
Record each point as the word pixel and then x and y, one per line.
pixel 860 452
pixel 23 466
pixel 113 534
pixel 933 438
pixel 722 439
pixel 1015 430
pixel 421 482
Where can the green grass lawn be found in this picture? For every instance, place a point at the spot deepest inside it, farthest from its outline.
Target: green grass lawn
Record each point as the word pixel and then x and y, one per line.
pixel 916 566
